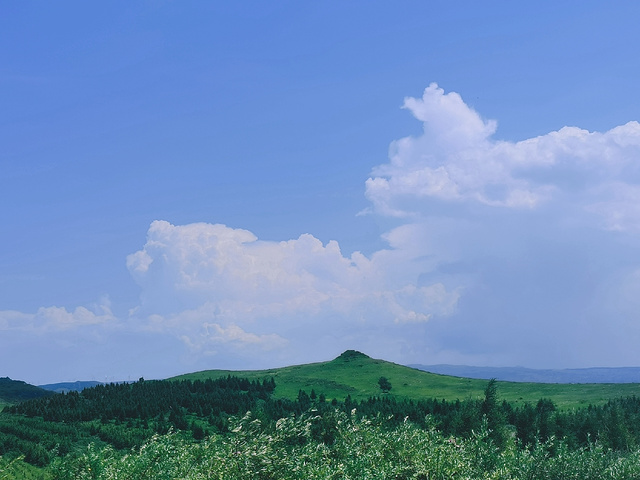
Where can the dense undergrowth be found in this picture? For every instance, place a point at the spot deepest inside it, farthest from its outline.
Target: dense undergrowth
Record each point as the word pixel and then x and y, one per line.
pixel 361 449
pixel 353 448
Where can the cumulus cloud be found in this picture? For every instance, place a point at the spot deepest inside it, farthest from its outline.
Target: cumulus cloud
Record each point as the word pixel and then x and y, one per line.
pixel 496 244
pixel 535 234
pixel 204 263
pixel 212 285
pixel 501 253
pixel 456 159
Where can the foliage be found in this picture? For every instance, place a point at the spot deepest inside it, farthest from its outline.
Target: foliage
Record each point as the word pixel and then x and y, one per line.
pixel 100 431
pixel 200 428
pixel 385 384
pixel 494 414
pixel 126 416
pixel 351 355
pixel 12 391
pixel 362 449
pixel 16 469
pixel 147 400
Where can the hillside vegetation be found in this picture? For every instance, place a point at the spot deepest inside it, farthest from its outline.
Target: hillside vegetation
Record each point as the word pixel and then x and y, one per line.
pixel 354 416
pixel 362 449
pixel 12 391
pixel 355 374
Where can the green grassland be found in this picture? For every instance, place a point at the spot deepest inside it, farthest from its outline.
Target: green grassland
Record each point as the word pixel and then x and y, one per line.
pixel 357 375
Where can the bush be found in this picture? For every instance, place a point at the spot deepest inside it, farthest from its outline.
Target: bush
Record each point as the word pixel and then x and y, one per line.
pixel 360 448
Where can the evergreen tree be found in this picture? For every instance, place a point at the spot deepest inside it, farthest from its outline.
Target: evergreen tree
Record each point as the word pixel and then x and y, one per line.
pixel 491 409
pixel 385 384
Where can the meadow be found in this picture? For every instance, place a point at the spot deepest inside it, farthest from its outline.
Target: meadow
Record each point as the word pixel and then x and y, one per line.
pixel 356 374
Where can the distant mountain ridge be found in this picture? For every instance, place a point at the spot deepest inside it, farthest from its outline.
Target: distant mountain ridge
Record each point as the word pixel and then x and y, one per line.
pixel 64 387
pixel 521 374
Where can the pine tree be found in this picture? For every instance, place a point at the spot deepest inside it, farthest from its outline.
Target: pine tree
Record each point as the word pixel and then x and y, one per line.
pixel 385 384
pixel 496 420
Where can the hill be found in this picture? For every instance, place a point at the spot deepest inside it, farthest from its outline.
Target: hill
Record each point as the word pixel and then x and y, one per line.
pixel 65 387
pixel 356 374
pixel 13 391
pixel 521 374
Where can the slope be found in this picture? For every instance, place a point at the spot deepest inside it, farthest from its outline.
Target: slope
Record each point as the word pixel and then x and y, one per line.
pixel 521 374
pixel 13 391
pixel 355 374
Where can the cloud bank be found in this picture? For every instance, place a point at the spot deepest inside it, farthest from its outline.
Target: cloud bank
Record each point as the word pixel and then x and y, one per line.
pixel 502 253
pixel 223 290
pixel 456 160
pixel 501 250
pixel 539 232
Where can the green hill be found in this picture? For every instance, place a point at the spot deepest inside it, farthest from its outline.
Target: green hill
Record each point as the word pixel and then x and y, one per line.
pixel 355 374
pixel 13 391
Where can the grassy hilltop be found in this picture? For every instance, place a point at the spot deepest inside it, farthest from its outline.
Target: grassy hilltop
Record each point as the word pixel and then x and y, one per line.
pixel 354 373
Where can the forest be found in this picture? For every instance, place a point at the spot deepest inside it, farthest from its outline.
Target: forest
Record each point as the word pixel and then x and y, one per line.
pixel 115 421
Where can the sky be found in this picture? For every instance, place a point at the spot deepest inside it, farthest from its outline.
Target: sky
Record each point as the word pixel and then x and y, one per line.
pixel 245 185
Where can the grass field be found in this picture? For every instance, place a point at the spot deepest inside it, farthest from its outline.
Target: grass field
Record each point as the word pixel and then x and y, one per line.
pixel 357 375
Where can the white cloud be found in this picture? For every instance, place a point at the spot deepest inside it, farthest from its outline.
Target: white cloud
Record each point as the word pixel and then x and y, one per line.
pixel 457 160
pixel 211 284
pixel 234 334
pixel 55 319
pixel 494 246
pixel 197 263
pixel 533 235
pixel 500 253
pixel 448 121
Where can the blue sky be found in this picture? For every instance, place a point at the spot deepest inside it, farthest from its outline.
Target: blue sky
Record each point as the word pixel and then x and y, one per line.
pixel 191 185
